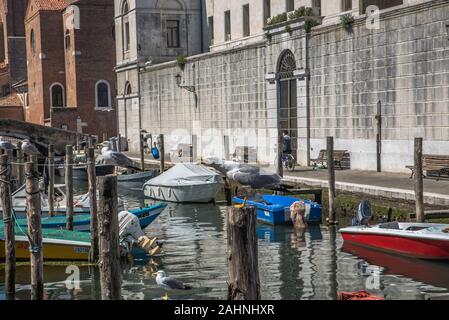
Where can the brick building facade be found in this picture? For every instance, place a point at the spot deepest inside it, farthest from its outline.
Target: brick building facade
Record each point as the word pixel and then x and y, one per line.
pixel 12 58
pixel 70 57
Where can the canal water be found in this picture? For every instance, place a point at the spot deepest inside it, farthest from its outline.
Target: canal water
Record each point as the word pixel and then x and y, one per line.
pixel 292 265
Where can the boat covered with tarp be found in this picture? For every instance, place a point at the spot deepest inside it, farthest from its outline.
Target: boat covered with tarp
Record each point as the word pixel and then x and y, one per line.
pixel 185 182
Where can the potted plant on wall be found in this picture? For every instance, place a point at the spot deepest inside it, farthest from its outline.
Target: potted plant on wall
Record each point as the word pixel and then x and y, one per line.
pixel 347 20
pixel 181 62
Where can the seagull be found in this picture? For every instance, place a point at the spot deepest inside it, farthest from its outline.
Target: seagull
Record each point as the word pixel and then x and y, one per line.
pixel 169 283
pixel 7 145
pixel 245 174
pixel 117 158
pixel 30 149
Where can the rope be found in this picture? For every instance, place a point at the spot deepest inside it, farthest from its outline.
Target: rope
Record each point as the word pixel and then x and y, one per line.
pixel 32 248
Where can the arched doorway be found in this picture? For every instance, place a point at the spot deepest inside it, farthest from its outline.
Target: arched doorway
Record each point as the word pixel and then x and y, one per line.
pixel 288 104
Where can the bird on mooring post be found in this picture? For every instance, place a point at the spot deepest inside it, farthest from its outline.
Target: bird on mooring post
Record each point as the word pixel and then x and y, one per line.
pixel 245 175
pixel 30 149
pixel 117 158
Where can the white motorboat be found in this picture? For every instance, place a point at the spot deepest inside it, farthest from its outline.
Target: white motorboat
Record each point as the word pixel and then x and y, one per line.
pixel 185 183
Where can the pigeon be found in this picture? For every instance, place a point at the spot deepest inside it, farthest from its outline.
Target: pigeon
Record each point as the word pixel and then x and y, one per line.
pixel 169 283
pixel 7 145
pixel 30 149
pixel 117 158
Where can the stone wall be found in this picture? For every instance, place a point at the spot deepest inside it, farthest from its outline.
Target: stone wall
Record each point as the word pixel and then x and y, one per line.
pixel 404 65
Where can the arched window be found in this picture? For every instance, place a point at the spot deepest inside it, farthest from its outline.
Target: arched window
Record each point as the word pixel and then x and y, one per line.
pixel 103 94
pixel 67 40
pixel 57 95
pixel 32 42
pixel 128 89
pixel 126 28
pixel 125 7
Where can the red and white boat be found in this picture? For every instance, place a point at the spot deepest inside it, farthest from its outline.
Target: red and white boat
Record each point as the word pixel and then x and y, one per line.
pixel 418 240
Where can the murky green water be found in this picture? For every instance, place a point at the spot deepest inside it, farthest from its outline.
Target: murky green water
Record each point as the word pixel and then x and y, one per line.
pixel 312 265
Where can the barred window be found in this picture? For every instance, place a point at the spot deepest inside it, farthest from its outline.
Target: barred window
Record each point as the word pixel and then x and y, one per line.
pixel 173 36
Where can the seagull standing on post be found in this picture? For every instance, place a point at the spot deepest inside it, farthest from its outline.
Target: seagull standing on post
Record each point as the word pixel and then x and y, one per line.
pixel 117 158
pixel 30 150
pixel 169 283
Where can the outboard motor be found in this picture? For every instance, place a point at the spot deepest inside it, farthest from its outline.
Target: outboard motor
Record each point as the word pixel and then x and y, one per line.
pixel 131 234
pixel 363 215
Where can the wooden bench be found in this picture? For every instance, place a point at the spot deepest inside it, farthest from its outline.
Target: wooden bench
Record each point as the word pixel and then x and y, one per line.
pixel 339 156
pixel 431 163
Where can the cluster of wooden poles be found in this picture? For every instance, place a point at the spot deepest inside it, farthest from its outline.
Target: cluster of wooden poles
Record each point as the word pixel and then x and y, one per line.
pixel 104 231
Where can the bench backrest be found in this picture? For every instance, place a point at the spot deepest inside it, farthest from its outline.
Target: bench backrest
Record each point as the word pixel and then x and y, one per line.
pixel 436 162
pixel 338 154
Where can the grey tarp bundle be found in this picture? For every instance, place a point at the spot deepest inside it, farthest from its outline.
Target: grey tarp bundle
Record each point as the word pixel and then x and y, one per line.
pixel 184 174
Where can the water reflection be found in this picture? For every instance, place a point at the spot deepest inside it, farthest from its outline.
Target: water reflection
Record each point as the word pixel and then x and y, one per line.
pixel 308 264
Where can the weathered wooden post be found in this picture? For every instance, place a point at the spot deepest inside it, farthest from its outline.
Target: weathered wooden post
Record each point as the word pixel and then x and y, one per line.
pixel 105 137
pixel 77 145
pixel 228 191
pixel 142 151
pixel 194 148
pixel 331 179
pixel 243 268
pixel 119 143
pixel 161 152
pixel 34 230
pixel 69 186
pixel 51 182
pixel 92 179
pixel 8 220
pixel 20 163
pixel 280 152
pixel 379 136
pixel 419 184
pixel 108 232
pixel 226 147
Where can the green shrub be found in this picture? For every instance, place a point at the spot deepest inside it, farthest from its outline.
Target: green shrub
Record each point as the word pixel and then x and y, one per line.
pixel 301 12
pixel 277 19
pixel 181 61
pixel 347 20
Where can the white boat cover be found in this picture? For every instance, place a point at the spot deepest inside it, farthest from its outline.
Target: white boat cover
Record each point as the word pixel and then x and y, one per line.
pixel 184 174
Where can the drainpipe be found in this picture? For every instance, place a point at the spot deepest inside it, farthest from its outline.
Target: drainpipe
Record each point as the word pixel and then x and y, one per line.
pixel 307 38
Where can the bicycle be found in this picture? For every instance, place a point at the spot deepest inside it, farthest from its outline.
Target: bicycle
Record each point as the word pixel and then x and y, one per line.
pixel 289 162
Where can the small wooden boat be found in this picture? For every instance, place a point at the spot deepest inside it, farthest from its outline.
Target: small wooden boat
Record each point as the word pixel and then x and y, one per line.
pixel 184 183
pixel 136 179
pixel 417 240
pixel 81 222
pixel 275 210
pixel 57 245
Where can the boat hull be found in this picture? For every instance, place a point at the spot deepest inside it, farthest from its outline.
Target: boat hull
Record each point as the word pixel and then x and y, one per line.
pixel 411 247
pixel 275 210
pixel 204 193
pixel 63 251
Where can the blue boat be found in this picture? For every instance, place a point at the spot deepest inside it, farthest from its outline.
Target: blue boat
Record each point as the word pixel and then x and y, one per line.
pixel 81 222
pixel 275 210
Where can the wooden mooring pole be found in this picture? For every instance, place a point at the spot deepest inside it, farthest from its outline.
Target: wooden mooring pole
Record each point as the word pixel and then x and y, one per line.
pixel 51 182
pixel 92 180
pixel 8 220
pixel 108 238
pixel 161 152
pixel 280 151
pixel 243 268
pixel 20 163
pixel 142 152
pixel 419 184
pixel 69 186
pixel 331 179
pixel 34 230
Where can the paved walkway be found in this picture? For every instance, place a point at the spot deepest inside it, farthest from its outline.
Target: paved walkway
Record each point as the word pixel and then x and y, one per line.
pixel 389 185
